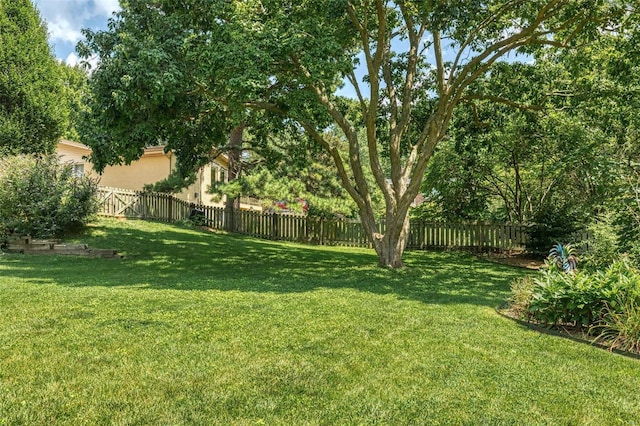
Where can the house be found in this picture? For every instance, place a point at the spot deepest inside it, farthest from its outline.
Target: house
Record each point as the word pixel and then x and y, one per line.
pixel 154 165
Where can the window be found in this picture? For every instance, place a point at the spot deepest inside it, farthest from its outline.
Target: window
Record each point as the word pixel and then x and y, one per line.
pixel 77 170
pixel 214 174
pixel 218 174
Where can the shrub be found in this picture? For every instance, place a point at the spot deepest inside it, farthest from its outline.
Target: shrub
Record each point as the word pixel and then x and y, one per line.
pixel 549 226
pixel 41 198
pixel 603 248
pixel 606 302
pixel 560 298
pixel 581 298
pixel 4 233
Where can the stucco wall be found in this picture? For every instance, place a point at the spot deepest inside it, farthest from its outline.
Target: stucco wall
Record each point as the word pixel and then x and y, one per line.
pixel 147 170
pixel 72 153
pixel 153 166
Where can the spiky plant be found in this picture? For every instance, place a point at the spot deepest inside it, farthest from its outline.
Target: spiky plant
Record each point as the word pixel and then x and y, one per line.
pixel 564 257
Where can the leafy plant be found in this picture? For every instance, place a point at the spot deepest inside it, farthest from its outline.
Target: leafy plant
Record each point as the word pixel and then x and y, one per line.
pixel 580 298
pixel 564 256
pixel 551 297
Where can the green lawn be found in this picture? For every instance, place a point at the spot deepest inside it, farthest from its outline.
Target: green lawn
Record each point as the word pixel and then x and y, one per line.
pixel 201 328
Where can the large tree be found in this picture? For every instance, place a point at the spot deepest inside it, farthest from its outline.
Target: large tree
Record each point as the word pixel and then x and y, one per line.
pixel 74 81
pixel 180 69
pixel 31 113
pixel 540 161
pixel 607 84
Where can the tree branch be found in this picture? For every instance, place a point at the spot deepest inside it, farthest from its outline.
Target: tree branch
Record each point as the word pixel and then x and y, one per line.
pixel 493 17
pixel 501 100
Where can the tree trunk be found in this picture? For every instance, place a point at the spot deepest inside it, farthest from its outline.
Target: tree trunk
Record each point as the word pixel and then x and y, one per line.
pixel 389 246
pixel 235 150
pixel 394 242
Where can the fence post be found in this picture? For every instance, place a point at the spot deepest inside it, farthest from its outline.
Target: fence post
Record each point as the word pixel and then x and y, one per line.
pixel 274 226
pixel 112 203
pixel 228 218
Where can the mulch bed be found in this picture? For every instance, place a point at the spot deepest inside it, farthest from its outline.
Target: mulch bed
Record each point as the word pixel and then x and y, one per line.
pixel 521 260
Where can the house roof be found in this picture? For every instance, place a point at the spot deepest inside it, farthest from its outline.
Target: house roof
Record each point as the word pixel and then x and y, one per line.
pixel 149 151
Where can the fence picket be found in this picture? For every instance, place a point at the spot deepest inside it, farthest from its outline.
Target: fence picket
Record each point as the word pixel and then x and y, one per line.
pixel 422 235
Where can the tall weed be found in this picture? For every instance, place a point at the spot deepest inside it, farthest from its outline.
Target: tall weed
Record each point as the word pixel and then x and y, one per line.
pixel 620 327
pixel 520 299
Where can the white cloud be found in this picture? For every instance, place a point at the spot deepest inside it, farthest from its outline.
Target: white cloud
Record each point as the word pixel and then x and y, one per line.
pixel 66 18
pixel 72 59
pixel 63 30
pixel 106 7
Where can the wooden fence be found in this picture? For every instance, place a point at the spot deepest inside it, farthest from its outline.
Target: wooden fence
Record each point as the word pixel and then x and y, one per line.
pixel 290 227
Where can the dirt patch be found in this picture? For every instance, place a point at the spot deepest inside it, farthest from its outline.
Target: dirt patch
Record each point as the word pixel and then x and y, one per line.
pixel 520 260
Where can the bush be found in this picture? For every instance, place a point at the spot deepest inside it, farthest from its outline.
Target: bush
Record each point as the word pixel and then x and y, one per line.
pixel 580 299
pixel 41 198
pixel 4 233
pixel 605 303
pixel 603 248
pixel 550 226
pixel 568 299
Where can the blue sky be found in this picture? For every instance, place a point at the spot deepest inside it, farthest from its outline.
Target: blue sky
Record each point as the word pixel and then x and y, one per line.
pixel 65 19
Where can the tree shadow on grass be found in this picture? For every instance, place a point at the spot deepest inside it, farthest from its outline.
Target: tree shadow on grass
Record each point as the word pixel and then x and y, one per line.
pixel 170 257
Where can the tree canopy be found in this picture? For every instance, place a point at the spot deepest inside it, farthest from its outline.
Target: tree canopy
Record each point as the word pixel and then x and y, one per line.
pixel 564 157
pixel 31 114
pixel 185 73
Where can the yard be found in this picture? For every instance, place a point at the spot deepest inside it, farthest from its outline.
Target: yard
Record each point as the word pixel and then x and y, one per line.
pixel 209 328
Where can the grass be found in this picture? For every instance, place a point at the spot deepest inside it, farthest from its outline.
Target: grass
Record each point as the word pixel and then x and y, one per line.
pixel 201 328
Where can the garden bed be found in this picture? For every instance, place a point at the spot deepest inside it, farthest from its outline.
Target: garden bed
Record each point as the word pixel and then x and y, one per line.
pixel 567 331
pixel 27 245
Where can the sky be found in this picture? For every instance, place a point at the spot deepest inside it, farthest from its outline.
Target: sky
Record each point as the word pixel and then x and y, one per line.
pixel 65 19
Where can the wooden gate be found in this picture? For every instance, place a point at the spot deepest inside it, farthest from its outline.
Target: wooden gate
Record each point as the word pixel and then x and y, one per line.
pixel 120 202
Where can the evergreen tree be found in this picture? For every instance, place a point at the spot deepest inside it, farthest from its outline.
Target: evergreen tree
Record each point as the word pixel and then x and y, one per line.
pixel 31 114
